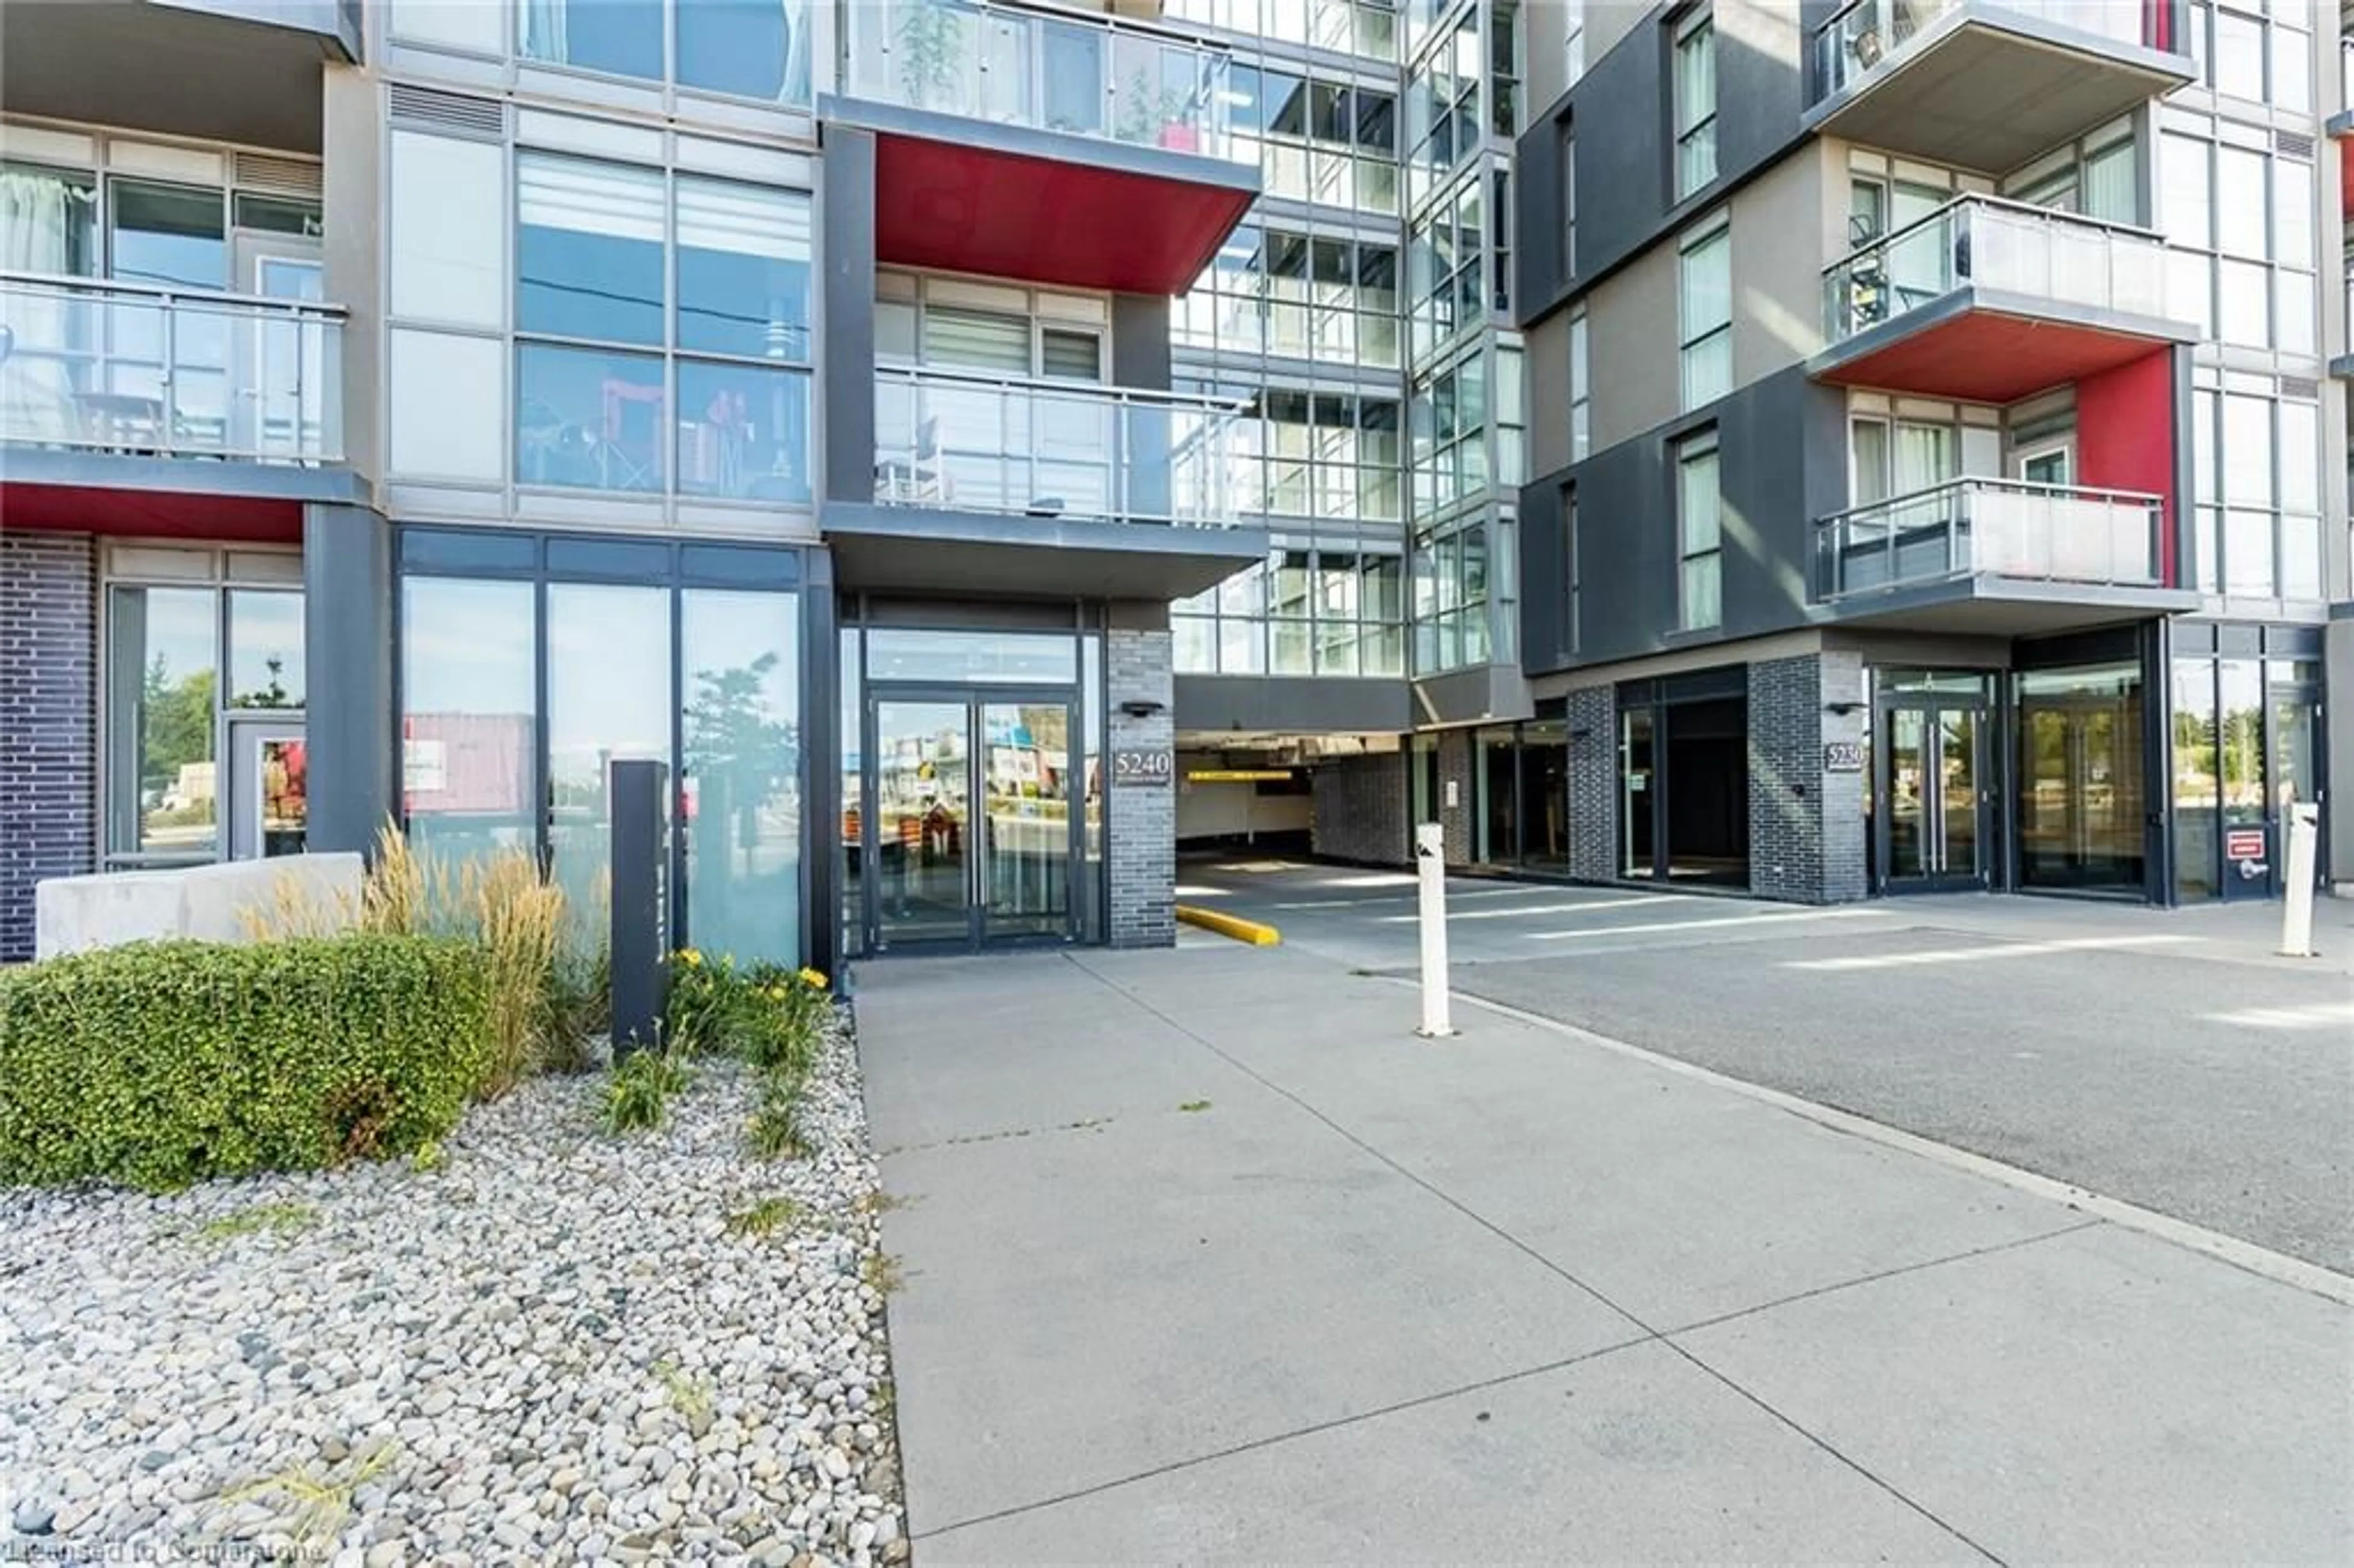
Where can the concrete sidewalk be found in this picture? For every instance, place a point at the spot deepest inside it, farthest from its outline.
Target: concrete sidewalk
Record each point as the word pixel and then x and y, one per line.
pixel 1207 1258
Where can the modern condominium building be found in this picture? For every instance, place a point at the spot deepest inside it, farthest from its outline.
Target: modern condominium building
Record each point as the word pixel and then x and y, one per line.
pixel 980 447
pixel 1939 479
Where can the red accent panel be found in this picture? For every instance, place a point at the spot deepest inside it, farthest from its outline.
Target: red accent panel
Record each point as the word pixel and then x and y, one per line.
pixel 2157 23
pixel 969 210
pixel 157 514
pixel 2345 174
pixel 2124 435
pixel 1987 358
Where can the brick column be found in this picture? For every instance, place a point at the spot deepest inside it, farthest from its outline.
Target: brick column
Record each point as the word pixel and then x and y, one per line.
pixel 1358 808
pixel 1592 725
pixel 1454 768
pixel 1140 819
pixel 1805 823
pixel 49 720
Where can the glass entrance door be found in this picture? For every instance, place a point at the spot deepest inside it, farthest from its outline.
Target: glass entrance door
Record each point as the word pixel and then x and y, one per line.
pixel 967 823
pixel 1933 784
pixel 268 787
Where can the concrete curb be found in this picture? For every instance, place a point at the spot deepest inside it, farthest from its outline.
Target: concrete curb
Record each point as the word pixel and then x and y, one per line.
pixel 1234 925
pixel 2280 1267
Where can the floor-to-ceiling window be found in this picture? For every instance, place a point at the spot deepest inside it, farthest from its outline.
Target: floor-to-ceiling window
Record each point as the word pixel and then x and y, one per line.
pixel 2247 737
pixel 205 683
pixel 1684 778
pixel 529 663
pixel 2080 816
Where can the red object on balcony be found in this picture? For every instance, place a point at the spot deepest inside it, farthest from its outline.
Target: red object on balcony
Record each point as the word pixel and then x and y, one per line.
pixel 961 207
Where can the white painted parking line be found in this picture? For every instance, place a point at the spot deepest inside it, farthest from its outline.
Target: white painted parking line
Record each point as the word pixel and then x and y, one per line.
pixel 1453 895
pixel 1996 949
pixel 1604 905
pixel 2318 1015
pixel 1775 918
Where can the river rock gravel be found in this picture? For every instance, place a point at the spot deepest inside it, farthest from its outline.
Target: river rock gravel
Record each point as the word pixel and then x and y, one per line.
pixel 552 1347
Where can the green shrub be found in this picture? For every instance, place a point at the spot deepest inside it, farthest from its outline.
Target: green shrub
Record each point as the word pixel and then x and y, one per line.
pixel 637 1092
pixel 162 1063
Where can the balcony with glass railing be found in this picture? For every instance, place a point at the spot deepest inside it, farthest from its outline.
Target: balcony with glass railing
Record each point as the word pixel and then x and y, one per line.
pixel 1999 528
pixel 1054 451
pixel 1078 73
pixel 1992 299
pixel 103 365
pixel 1989 84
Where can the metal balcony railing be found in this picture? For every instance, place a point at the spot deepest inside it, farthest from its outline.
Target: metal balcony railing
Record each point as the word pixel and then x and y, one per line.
pixel 1866 32
pixel 2007 246
pixel 2009 528
pixel 107 365
pixel 1077 72
pixel 1051 450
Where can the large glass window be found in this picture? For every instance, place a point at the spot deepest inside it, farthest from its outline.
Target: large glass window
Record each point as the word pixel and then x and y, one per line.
pixel 759 49
pixel 592 625
pixel 2080 817
pixel 740 769
pixel 2197 789
pixel 50 219
pixel 1581 390
pixel 618 37
pixel 2257 464
pixel 1695 103
pixel 161 643
pixel 612 255
pixel 469 715
pixel 1705 311
pixel 1699 539
pixel 608 699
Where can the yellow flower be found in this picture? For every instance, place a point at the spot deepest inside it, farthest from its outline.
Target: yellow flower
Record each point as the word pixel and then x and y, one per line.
pixel 690 958
pixel 813 978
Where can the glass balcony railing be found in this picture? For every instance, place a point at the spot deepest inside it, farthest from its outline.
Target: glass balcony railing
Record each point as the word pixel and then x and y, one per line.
pixel 1076 72
pixel 1050 450
pixel 2346 73
pixel 105 366
pixel 2043 532
pixel 2005 246
pixel 1867 32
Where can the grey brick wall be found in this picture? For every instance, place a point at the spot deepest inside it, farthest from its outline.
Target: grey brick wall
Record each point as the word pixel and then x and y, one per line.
pixel 1140 821
pixel 1806 826
pixel 49 720
pixel 1594 784
pixel 1358 808
pixel 1454 769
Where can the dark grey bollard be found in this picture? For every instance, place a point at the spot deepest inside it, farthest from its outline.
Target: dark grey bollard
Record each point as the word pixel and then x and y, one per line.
pixel 641 929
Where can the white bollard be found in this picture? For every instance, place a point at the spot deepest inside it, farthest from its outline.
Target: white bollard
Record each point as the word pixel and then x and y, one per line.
pixel 1430 865
pixel 2296 909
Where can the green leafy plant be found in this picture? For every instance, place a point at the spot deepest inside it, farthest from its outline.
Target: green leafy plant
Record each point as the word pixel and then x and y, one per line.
pixel 159 1063
pixel 638 1089
pixel 280 1220
pixel 321 1503
pixel 879 1272
pixel 764 1218
pixel 427 1157
pixel 769 1015
pixel 1195 1106
pixel 690 1395
pixel 775 1129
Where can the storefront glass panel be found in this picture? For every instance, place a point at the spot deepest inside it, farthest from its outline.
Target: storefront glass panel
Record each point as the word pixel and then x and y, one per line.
pixel 607 699
pixel 739 777
pixel 2080 817
pixel 469 716
pixel 2198 796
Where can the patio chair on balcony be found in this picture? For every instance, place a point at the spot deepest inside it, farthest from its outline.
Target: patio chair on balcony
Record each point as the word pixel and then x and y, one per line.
pixel 918 477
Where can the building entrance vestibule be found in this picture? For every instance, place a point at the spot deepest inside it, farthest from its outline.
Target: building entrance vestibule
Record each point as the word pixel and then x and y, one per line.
pixel 965 815
pixel 1933 762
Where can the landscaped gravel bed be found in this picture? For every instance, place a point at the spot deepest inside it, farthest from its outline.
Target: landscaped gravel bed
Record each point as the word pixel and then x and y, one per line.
pixel 552 1347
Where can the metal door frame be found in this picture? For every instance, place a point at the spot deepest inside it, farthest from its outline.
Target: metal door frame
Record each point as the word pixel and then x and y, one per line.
pixel 1939 877
pixel 972 699
pixel 243 838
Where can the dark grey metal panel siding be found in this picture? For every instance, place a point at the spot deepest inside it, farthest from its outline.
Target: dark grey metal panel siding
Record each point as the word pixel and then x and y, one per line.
pixel 1140 341
pixel 1781 464
pixel 849 360
pixel 1625 170
pixel 1292 704
pixel 347 602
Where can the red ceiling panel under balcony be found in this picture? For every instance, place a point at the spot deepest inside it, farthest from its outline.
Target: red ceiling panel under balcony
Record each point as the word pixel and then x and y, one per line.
pixel 1989 301
pixel 1050 145
pixel 968 207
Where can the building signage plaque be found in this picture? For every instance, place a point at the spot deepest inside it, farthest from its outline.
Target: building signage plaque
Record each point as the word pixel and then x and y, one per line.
pixel 1842 756
pixel 1149 767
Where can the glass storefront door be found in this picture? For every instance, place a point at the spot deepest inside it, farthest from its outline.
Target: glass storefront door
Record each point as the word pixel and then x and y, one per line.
pixel 2081 821
pixel 1936 792
pixel 269 789
pixel 968 825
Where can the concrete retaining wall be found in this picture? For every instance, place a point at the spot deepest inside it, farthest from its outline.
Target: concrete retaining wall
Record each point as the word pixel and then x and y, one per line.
pixel 207 903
